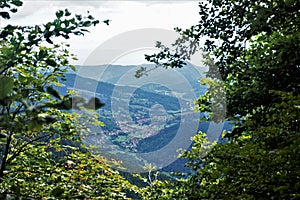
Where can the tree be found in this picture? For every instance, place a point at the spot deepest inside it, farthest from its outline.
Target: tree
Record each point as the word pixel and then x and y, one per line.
pixel 255 47
pixel 41 155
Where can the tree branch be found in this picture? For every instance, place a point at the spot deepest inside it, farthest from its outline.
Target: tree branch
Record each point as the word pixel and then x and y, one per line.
pixel 4 159
pixel 21 149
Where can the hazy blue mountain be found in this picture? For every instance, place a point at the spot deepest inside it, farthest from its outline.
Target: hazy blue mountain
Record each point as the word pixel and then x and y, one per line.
pixel 143 115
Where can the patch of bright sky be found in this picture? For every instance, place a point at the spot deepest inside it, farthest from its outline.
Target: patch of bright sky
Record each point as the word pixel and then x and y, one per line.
pixel 124 15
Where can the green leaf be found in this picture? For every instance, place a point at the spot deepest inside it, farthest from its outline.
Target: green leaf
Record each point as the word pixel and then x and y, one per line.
pixel 106 21
pixel 6 86
pixel 87 23
pixel 59 14
pixel 13 10
pixel 53 92
pixel 5 15
pixel 67 13
pixel 51 62
pixel 17 2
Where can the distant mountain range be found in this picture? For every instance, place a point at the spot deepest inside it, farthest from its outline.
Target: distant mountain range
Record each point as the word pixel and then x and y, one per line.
pixel 140 115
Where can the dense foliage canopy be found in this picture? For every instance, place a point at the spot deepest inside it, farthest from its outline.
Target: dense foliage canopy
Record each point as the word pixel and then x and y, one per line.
pixel 255 45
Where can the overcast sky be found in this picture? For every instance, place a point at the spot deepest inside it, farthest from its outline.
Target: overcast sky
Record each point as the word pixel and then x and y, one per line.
pixel 124 15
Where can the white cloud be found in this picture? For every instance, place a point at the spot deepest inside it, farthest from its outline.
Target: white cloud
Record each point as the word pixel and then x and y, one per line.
pixel 125 16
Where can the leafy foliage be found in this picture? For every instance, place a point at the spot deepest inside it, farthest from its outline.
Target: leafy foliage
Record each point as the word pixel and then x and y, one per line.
pixel 9 6
pixel 41 155
pixel 255 47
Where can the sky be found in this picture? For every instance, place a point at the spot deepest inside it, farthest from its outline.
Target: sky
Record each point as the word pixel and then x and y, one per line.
pixel 125 16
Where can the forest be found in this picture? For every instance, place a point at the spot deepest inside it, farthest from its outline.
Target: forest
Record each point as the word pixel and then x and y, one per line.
pixel 252 52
